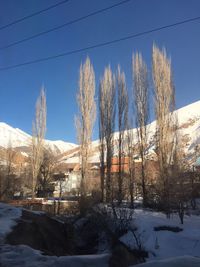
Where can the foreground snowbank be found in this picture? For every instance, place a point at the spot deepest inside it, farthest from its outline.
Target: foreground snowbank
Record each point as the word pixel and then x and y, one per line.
pixel 184 261
pixel 24 256
pixel 8 218
pixel 165 244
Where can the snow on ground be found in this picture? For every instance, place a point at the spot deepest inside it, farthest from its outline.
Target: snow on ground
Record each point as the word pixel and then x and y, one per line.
pixel 8 218
pixel 167 249
pixel 166 244
pixel 185 261
pixel 24 256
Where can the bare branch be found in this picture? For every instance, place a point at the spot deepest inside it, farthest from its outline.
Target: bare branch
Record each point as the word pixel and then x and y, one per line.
pixel 39 130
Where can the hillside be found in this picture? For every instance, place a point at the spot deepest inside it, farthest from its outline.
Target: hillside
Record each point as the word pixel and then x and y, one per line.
pixel 21 141
pixel 189 136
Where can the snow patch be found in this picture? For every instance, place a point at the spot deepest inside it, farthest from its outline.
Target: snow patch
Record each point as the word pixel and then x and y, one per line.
pixel 8 217
pixel 184 261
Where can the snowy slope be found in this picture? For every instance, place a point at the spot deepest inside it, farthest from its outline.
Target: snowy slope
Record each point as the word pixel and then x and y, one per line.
pixel 188 125
pixel 189 134
pixel 14 137
pixel 165 244
pixel 180 249
pixel 189 130
pixel 189 112
pixel 59 146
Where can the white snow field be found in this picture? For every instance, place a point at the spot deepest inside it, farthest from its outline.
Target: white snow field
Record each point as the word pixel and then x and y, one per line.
pixel 24 256
pixel 14 137
pixel 184 261
pixel 189 126
pixel 171 249
pixel 189 133
pixel 8 218
pixel 165 244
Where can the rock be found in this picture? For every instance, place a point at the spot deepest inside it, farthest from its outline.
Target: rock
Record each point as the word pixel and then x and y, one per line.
pixel 44 233
pixel 121 256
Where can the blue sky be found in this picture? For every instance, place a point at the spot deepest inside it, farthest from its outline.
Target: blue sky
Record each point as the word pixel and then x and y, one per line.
pixel 20 87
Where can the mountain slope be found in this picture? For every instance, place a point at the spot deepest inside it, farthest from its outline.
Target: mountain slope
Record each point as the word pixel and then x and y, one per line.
pixel 16 138
pixel 189 136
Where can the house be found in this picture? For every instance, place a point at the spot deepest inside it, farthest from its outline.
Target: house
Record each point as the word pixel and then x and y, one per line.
pixel 197 164
pixel 115 164
pixel 66 183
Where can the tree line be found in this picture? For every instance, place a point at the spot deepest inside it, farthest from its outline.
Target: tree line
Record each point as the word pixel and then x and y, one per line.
pixel 118 110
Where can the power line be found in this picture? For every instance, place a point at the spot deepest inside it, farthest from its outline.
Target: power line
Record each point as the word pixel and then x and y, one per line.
pixel 100 44
pixel 33 14
pixel 65 24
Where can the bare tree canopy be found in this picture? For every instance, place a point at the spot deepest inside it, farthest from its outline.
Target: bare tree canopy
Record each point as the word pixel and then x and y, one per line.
pixel 39 130
pixel 87 115
pixel 102 140
pixel 141 104
pixel 130 150
pixel 107 122
pixel 166 143
pixel 122 97
pixel 45 175
pixel 164 106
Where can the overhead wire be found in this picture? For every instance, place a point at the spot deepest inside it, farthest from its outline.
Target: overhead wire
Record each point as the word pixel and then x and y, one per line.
pixel 65 24
pixel 101 44
pixel 32 15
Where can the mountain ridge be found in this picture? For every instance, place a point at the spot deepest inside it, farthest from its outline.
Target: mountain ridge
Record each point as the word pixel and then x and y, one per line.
pixel 16 138
pixel 189 129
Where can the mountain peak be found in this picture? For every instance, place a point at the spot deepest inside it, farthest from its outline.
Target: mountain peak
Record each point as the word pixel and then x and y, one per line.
pixel 15 137
pixel 188 117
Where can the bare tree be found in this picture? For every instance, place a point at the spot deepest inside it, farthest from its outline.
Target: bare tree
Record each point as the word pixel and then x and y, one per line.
pixel 130 143
pixel 122 97
pixel 102 141
pixel 39 129
pixel 86 118
pixel 10 155
pixel 141 104
pixel 107 124
pixel 8 177
pixel 45 175
pixel 166 142
pixel 193 177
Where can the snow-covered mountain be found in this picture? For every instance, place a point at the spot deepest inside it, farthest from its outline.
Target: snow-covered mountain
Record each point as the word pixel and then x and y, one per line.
pixel 16 138
pixel 188 128
pixel 189 134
